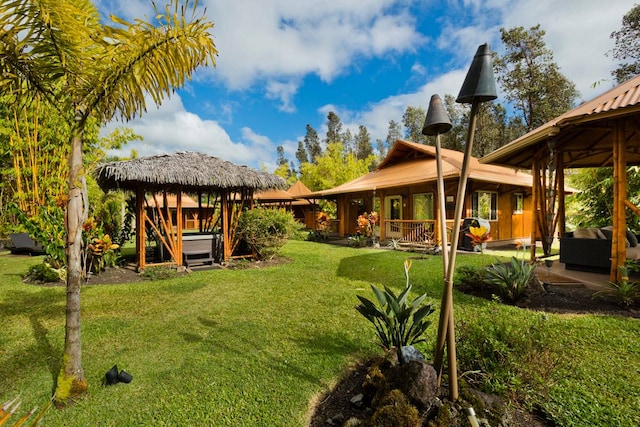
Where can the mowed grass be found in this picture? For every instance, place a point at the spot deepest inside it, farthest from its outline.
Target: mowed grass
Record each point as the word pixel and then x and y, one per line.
pixel 253 347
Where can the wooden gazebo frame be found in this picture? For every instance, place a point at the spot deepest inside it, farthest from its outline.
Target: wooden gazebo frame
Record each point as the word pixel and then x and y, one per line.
pixel 185 172
pixel 604 132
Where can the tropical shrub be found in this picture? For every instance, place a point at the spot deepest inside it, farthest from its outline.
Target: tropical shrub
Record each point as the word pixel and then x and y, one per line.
pixel 397 321
pixel 267 230
pixel 471 277
pixel 624 291
pixel 42 273
pixel 512 279
pixel 47 228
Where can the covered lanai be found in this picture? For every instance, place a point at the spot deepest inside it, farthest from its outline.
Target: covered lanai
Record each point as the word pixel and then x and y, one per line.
pixel 229 186
pixel 602 132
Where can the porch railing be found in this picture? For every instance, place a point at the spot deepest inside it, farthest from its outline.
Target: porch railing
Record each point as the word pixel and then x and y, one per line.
pixel 411 231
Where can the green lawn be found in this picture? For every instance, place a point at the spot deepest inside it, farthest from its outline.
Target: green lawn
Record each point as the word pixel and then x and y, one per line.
pixel 252 347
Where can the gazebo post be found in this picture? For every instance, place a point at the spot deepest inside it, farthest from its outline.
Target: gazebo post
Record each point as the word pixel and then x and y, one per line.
pixel 535 195
pixel 226 235
pixel 179 225
pixel 140 228
pixel 561 195
pixel 618 250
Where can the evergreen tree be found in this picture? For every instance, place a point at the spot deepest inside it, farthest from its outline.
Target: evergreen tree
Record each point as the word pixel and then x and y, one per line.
pixel 413 120
pixel 459 116
pixel 282 160
pixel 301 154
pixel 349 141
pixel 364 148
pixel 530 78
pixel 627 46
pixel 312 144
pixel 393 134
pixel 334 128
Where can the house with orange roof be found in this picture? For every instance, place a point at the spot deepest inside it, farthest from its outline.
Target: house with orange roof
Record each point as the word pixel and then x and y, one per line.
pixel 403 191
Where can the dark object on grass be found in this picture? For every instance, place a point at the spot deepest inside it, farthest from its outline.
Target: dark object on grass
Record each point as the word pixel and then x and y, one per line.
pixel 23 244
pixel 125 377
pixel 111 377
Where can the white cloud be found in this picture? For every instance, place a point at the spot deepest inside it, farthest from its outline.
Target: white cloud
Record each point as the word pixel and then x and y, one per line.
pixel 376 116
pixel 287 39
pixel 171 128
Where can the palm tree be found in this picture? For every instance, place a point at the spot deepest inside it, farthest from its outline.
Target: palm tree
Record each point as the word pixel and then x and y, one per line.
pixel 60 50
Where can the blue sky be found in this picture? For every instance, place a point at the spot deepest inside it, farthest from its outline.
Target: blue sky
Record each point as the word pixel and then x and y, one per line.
pixel 285 63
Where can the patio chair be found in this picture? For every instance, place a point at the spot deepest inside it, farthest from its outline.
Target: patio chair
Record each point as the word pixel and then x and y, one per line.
pixel 23 244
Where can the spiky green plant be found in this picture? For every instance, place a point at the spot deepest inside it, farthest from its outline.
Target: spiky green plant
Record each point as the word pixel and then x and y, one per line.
pixel 511 279
pixel 397 321
pixel 624 291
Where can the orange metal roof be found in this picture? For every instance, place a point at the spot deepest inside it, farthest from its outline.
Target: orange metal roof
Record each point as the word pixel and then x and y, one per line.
pixel 299 190
pixel 584 134
pixel 409 163
pixel 273 195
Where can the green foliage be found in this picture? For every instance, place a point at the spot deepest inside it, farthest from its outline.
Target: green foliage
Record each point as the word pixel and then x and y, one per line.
pixel 413 120
pixel 627 46
pixel 506 353
pixel 47 228
pixel 624 291
pixel 511 279
pixel 397 321
pixel 334 167
pixel 159 272
pixel 394 244
pixel 471 276
pixel 42 273
pixel 267 230
pixel 394 410
pixel 592 206
pixel 530 78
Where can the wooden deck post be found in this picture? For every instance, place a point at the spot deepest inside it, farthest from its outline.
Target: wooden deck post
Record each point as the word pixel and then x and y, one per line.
pixel 535 205
pixel 179 225
pixel 618 249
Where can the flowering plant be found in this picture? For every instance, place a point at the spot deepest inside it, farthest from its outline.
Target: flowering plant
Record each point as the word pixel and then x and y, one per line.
pixel 478 236
pixel 366 223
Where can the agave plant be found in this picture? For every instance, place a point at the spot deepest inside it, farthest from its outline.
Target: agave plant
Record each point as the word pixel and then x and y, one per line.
pixel 397 321
pixel 511 279
pixel 624 291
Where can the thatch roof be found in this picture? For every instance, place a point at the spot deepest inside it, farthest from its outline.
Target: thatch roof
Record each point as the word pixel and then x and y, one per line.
pixel 184 170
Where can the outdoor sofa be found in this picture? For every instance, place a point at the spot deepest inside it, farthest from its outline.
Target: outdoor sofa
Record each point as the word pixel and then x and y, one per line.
pixel 589 249
pixel 21 243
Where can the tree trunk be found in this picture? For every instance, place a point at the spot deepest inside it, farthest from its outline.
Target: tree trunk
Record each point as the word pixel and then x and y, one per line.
pixel 71 380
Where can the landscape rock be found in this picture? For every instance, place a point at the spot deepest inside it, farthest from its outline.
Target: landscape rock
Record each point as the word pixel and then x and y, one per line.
pixel 417 380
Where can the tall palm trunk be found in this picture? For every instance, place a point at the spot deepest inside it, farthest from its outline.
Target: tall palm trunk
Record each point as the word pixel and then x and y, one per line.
pixel 71 380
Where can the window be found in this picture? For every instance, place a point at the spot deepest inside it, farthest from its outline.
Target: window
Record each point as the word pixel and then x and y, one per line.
pixel 423 206
pixel 484 204
pixel 518 203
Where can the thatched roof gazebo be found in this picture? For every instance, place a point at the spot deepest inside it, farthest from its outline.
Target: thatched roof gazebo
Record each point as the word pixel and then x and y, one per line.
pixel 185 172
